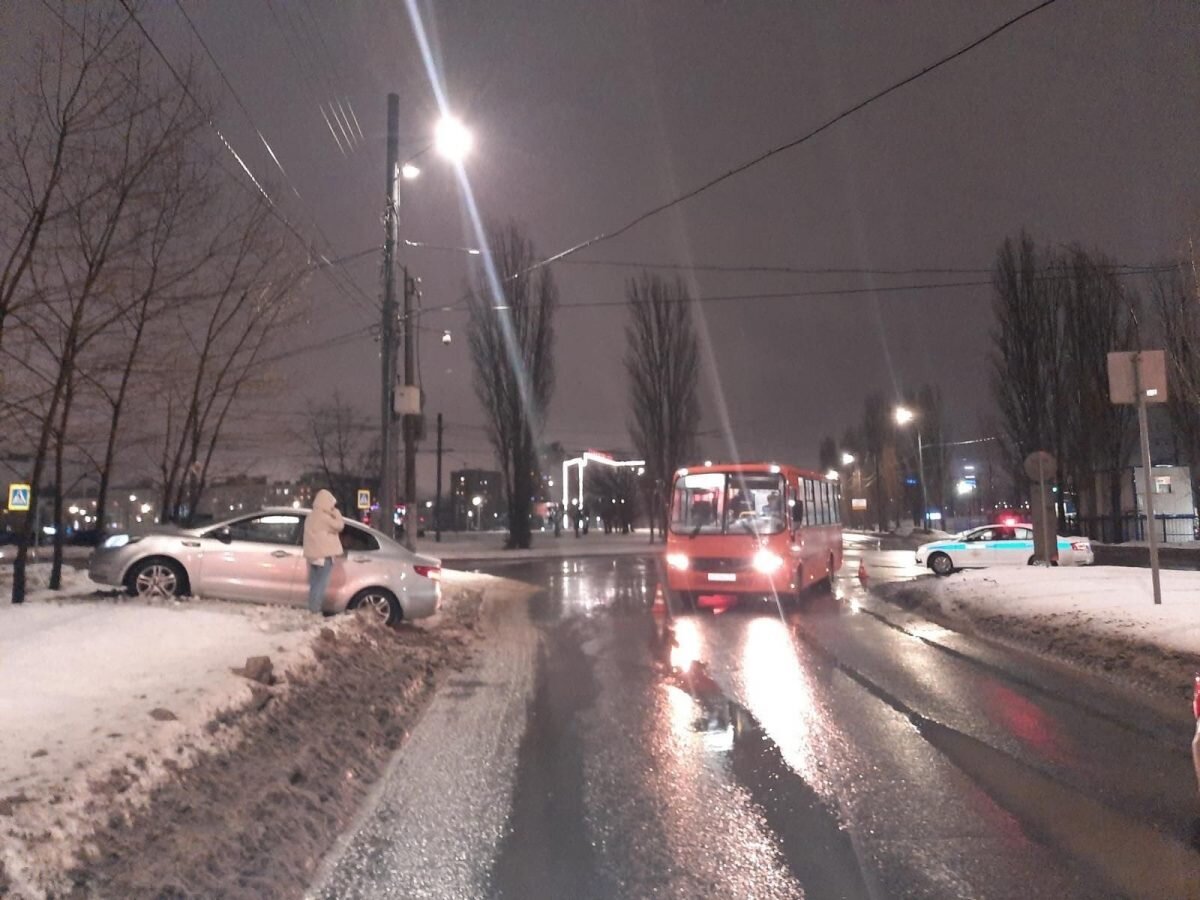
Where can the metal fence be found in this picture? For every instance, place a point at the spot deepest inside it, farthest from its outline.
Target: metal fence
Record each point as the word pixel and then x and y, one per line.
pixel 1131 527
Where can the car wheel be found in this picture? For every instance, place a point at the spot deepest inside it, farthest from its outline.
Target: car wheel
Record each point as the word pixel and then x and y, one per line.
pixel 1034 561
pixel 156 577
pixel 941 564
pixel 382 604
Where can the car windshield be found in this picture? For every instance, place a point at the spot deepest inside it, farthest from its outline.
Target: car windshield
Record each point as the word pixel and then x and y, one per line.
pixel 728 503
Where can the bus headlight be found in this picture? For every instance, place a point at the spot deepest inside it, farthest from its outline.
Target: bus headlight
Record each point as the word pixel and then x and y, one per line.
pixel 678 561
pixel 767 562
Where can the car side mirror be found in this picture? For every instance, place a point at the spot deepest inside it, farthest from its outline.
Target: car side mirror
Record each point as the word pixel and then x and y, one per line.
pixel 224 535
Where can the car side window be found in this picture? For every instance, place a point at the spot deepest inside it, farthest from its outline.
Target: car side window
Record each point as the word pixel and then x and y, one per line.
pixel 356 540
pixel 1005 534
pixel 986 535
pixel 268 529
pixel 1024 534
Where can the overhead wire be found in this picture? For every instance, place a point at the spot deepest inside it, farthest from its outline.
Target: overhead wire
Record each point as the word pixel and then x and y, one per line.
pixel 272 205
pixel 788 145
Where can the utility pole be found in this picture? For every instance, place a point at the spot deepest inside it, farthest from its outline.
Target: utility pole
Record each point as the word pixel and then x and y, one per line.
pixel 387 499
pixel 1147 475
pixel 437 503
pixel 411 421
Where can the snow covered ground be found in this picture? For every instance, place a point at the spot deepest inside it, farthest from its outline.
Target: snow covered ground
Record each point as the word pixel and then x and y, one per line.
pixel 104 698
pixel 1102 617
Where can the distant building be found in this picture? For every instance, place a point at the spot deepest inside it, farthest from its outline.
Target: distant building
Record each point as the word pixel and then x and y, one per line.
pixel 232 496
pixel 476 499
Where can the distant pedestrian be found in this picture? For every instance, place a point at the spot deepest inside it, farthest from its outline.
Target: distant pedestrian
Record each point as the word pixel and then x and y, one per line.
pixel 321 545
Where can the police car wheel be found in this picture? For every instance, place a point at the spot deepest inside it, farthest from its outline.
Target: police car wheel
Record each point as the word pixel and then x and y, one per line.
pixel 941 564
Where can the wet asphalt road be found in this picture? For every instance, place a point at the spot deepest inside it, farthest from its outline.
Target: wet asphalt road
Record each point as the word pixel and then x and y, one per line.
pixel 842 749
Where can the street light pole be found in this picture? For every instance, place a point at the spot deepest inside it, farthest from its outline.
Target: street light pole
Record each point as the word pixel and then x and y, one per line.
pixel 386 499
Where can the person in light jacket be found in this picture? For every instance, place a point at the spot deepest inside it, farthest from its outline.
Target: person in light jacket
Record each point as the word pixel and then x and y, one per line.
pixel 321 545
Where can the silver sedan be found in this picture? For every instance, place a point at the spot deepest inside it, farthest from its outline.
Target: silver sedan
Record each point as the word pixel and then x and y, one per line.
pixel 258 558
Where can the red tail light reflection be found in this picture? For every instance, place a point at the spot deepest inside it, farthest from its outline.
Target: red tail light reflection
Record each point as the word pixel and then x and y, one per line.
pixel 433 573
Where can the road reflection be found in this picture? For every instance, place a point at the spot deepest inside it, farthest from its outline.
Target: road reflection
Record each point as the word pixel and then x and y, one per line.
pixel 729 737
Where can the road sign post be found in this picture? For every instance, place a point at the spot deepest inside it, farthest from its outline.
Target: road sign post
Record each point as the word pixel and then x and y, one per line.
pixel 1140 377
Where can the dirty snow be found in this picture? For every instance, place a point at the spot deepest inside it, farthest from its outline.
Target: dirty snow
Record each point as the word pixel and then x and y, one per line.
pixel 86 686
pixel 1103 617
pixel 119 717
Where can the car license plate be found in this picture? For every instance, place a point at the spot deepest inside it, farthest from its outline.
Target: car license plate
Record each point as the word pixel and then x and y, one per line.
pixel 721 576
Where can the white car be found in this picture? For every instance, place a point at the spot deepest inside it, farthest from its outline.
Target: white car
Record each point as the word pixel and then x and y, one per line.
pixel 258 558
pixel 998 545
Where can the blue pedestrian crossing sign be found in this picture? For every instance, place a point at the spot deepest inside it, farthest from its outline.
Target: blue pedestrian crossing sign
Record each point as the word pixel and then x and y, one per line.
pixel 364 498
pixel 18 497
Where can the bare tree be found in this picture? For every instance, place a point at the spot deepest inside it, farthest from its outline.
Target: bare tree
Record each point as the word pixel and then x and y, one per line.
pixel 1176 298
pixel 72 299
pixel 662 360
pixel 877 439
pixel 243 298
pixel 74 93
pixel 1098 316
pixel 511 337
pixel 1026 360
pixel 827 454
pixel 333 435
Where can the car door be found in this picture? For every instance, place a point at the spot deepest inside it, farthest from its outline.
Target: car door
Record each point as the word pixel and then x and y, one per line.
pixel 358 565
pixel 975 549
pixel 257 559
pixel 1009 548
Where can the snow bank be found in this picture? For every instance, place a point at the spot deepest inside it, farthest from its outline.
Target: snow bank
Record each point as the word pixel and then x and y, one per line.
pixel 89 687
pixel 1103 617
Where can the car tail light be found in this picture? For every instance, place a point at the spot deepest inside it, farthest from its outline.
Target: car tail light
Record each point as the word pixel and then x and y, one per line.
pixel 433 573
pixel 1082 546
pixel 1196 695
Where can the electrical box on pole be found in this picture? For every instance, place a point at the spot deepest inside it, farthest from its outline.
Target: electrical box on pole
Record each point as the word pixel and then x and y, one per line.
pixel 1139 377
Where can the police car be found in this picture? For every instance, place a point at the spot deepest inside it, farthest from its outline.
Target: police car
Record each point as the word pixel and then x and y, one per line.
pixel 998 545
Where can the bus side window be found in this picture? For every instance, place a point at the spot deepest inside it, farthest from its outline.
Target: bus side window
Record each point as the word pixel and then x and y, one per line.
pixel 810 502
pixel 837 503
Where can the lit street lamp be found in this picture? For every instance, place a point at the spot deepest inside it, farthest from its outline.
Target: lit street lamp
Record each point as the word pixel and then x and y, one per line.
pixel 847 458
pixel 453 139
pixel 477 502
pixel 904 415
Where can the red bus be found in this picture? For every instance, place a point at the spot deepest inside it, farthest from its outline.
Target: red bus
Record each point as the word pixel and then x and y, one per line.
pixel 751 529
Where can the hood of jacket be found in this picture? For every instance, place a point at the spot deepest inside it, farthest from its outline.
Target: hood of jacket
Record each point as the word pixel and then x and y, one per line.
pixel 324 501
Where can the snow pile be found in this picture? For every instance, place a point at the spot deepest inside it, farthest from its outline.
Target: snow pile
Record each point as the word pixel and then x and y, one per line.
pixel 75 583
pixel 1103 617
pixel 87 689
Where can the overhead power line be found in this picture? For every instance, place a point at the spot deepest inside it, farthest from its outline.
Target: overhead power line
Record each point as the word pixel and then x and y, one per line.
pixel 789 145
pixel 829 292
pixel 802 270
pixel 271 204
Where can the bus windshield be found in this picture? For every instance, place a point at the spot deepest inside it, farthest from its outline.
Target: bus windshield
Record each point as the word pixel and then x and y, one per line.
pixel 728 503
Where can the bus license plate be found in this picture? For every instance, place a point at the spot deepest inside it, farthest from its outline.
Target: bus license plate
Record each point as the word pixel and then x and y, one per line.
pixel 721 576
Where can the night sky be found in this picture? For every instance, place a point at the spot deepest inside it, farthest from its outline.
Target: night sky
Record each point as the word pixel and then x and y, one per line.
pixel 1079 123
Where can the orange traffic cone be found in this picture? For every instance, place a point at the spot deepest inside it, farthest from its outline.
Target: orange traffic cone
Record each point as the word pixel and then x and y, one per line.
pixel 660 604
pixel 862 571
